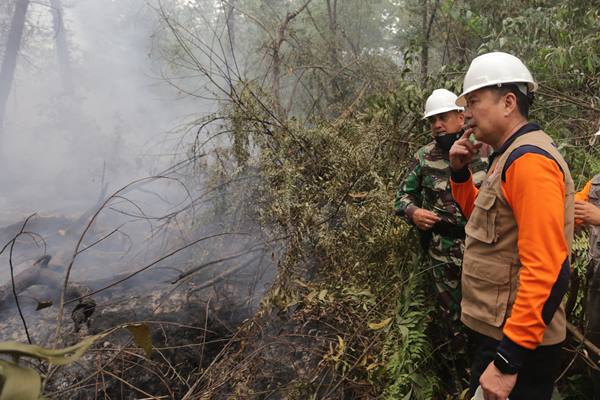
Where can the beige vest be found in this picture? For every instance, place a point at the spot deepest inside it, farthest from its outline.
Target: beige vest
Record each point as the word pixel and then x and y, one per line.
pixel 490 274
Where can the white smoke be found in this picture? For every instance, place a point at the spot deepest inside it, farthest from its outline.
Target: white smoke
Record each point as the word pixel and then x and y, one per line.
pixel 59 145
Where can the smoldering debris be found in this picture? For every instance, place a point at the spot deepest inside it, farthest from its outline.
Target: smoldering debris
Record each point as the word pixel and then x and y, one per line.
pixel 161 253
pixel 182 250
pixel 194 283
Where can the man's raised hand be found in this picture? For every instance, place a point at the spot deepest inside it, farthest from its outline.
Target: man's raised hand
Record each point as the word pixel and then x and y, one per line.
pixel 463 151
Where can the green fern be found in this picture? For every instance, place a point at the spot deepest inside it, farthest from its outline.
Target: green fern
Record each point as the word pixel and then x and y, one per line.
pixel 407 347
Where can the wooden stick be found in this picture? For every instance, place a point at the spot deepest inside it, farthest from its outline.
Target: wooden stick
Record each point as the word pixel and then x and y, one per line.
pixel 579 336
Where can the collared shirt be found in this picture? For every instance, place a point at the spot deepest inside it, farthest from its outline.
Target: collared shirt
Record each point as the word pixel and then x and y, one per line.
pixel 528 127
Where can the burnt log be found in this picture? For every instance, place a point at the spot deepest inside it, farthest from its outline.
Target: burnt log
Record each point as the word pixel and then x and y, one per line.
pixel 42 273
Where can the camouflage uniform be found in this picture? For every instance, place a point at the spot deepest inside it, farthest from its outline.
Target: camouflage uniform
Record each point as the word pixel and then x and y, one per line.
pixel 427 186
pixel 592 304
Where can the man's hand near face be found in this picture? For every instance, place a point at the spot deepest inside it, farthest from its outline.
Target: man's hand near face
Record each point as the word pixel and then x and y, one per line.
pixel 463 151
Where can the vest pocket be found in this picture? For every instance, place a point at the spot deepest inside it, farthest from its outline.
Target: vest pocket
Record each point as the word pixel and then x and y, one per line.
pixel 482 222
pixel 485 290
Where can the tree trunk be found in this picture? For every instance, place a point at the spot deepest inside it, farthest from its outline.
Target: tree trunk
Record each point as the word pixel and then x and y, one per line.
pixel 62 51
pixel 427 25
pixel 333 46
pixel 278 58
pixel 334 43
pixel 7 72
pixel 425 42
pixel 229 48
pixel 230 15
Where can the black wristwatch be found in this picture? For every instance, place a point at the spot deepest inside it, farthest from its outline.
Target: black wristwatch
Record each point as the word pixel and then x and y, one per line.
pixel 504 366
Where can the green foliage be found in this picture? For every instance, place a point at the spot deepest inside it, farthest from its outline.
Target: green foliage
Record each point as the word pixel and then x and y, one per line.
pixel 407 348
pixel 328 190
pixel 19 383
pixel 330 163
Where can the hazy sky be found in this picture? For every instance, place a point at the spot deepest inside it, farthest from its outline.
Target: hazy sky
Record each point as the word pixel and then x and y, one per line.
pixel 58 145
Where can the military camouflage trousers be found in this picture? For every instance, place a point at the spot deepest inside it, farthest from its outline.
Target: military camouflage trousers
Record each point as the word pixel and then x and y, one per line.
pixel 446 284
pixel 447 333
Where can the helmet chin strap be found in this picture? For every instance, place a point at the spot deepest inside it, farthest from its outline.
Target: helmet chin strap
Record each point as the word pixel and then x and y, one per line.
pixel 521 86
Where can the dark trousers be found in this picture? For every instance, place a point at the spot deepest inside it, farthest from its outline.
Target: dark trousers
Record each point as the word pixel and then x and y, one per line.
pixel 536 377
pixel 592 310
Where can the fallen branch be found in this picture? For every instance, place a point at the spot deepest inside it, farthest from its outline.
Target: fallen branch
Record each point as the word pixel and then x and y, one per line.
pixel 208 264
pixel 40 273
pixel 581 338
pixel 224 275
pixel 12 276
pixel 118 194
pixel 136 272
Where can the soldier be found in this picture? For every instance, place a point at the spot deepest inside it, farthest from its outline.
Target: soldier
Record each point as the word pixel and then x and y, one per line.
pixel 425 200
pixel 587 211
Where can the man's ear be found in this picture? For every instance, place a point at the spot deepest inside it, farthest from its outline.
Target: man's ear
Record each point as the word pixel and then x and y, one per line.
pixel 461 117
pixel 510 103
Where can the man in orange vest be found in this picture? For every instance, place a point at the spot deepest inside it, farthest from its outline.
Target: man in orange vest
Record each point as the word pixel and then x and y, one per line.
pixel 518 236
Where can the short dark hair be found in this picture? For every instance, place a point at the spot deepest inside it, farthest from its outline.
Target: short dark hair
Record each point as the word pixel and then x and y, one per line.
pixel 524 101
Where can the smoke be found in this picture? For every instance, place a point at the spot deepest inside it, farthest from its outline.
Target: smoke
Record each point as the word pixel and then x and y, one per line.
pixel 68 145
pixel 61 145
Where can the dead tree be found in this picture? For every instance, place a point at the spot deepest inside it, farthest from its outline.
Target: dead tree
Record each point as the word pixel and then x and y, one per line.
pixel 336 83
pixel 333 31
pixel 13 44
pixel 230 67
pixel 62 51
pixel 229 9
pixel 278 56
pixel 427 24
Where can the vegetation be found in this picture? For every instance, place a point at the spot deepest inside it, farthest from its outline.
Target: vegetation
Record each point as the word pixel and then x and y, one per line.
pixel 332 147
pixel 322 101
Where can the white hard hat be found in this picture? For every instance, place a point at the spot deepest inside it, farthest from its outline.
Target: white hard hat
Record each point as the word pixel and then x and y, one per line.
pixel 495 68
pixel 440 101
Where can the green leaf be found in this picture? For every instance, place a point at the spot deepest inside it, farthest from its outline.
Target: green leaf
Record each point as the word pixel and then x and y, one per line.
pixel 403 330
pixel 19 383
pixel 140 332
pixel 57 357
pixel 141 336
pixel 379 325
